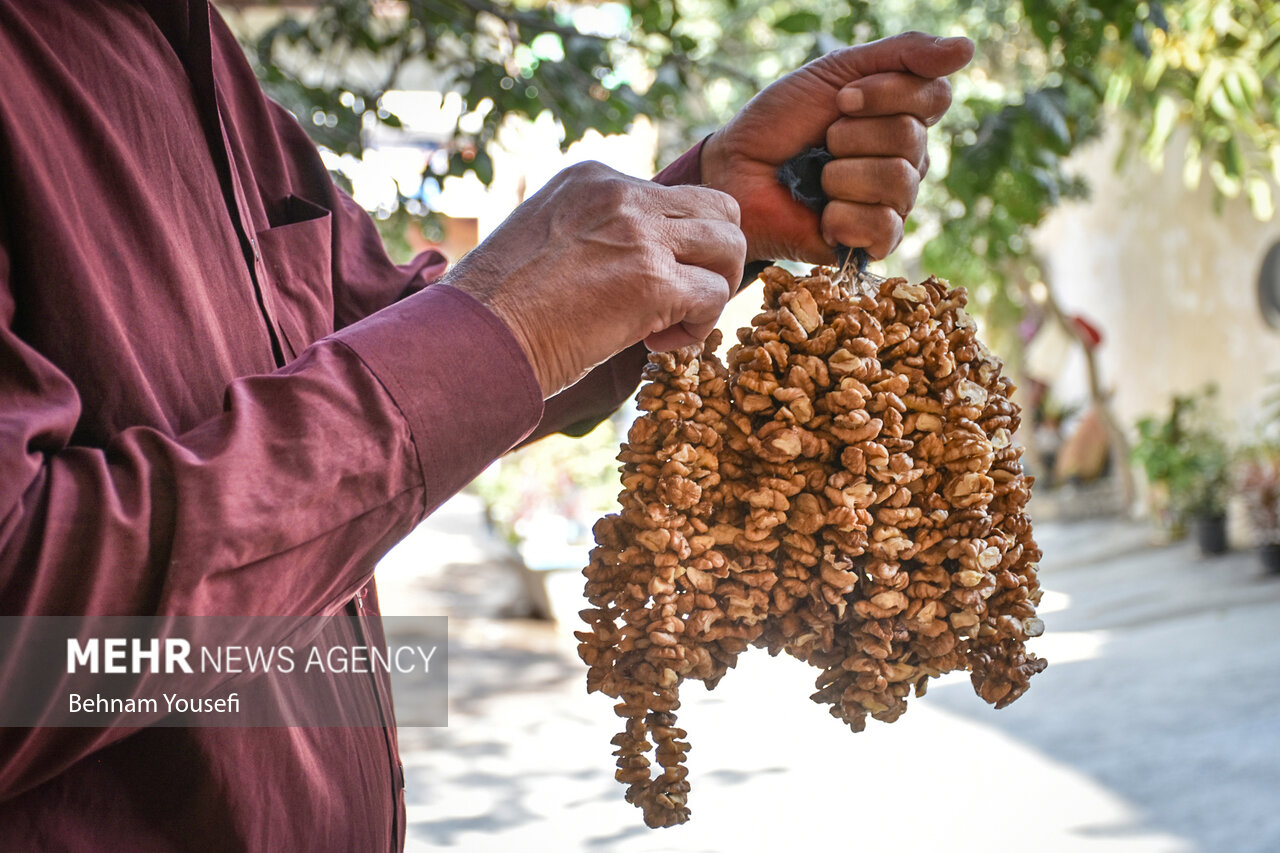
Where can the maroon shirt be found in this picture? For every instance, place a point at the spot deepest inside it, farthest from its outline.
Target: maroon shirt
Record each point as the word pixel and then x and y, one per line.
pixel 217 395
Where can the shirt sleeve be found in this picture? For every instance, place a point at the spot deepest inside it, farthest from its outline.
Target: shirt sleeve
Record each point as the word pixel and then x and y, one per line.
pixel 579 408
pixel 277 507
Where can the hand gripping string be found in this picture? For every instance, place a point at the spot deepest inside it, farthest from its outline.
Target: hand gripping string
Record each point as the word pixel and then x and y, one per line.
pixel 802 175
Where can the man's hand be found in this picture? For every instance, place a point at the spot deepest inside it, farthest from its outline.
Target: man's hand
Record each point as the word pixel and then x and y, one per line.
pixel 870 105
pixel 596 261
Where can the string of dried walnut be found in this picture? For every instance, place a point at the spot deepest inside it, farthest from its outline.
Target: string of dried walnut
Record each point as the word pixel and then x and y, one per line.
pixel 845 490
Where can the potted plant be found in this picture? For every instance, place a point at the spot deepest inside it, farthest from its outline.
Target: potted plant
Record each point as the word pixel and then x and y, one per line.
pixel 1258 484
pixel 1187 465
pixel 1258 477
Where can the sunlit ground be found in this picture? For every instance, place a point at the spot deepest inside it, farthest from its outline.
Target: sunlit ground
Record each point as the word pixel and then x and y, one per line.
pixel 1155 728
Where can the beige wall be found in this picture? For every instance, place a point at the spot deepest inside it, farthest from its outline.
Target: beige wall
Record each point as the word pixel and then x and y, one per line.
pixel 1172 284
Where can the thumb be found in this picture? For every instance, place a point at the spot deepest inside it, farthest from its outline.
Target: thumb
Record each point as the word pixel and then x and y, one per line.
pixel 915 53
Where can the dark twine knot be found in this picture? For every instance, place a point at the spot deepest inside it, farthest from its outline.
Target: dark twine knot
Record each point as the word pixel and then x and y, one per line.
pixel 802 175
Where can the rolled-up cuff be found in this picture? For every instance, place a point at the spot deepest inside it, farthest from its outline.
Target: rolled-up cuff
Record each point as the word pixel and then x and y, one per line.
pixel 459 376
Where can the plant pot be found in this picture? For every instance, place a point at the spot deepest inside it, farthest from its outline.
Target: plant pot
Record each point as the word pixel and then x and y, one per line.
pixel 1269 555
pixel 1210 533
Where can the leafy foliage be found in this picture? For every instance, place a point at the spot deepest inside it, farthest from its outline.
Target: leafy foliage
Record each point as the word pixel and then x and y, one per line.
pixel 1185 458
pixel 1257 476
pixel 1210 67
pixel 1207 66
pixel 1046 76
pixel 1258 483
pixel 567 477
pixel 331 66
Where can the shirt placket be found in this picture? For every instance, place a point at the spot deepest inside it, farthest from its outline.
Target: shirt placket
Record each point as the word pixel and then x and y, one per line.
pixel 200 69
pixel 201 72
pixel 253 251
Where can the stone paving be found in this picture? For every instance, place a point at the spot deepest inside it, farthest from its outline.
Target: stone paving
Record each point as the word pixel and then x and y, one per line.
pixel 1156 727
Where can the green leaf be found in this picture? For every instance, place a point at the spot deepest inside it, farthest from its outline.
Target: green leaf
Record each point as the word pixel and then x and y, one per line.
pixel 1232 159
pixel 1260 201
pixel 1192 166
pixel 482 165
pixel 1155 70
pixel 799 22
pixel 1046 112
pixel 1210 80
pixel 1118 88
pixel 1225 172
pixel 342 180
pixel 1236 92
pixel 1221 104
pixel 1041 20
pixel 1162 123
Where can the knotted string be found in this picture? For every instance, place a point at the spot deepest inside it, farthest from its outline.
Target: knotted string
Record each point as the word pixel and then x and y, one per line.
pixel 802 175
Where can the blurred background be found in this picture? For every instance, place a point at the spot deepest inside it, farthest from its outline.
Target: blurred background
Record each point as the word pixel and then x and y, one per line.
pixel 1103 186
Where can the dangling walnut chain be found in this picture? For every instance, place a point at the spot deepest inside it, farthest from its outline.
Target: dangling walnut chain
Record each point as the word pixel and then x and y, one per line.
pixel 846 490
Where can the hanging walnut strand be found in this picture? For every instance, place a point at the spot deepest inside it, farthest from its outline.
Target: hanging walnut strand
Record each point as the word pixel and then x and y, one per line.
pixel 846 491
pixel 663 607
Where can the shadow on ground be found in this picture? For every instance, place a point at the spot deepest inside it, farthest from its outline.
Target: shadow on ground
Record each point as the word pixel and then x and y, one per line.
pixel 1156 728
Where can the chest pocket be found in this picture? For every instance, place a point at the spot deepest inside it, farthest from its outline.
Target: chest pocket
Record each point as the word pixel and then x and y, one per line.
pixel 297 255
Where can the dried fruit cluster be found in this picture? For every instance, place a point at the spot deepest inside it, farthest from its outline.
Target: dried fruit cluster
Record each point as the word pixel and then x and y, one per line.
pixel 845 490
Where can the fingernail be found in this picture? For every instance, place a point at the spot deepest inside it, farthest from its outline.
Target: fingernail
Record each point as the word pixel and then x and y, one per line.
pixel 850 99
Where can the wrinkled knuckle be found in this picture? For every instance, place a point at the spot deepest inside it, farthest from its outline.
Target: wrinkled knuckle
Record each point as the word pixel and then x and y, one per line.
pixel 909 199
pixel 600 202
pixel 835 137
pixel 898 179
pixel 943 92
pixel 729 207
pixel 835 219
pixel 716 205
pixel 913 132
pixel 675 199
pixel 939 100
pixel 591 168
pixel 588 171
pixel 607 187
pixel 652 277
pixel 616 190
pixel 655 262
pixel 636 229
pixel 899 231
pixel 732 248
pixel 851 179
pixel 900 172
pixel 885 222
pixel 842 135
